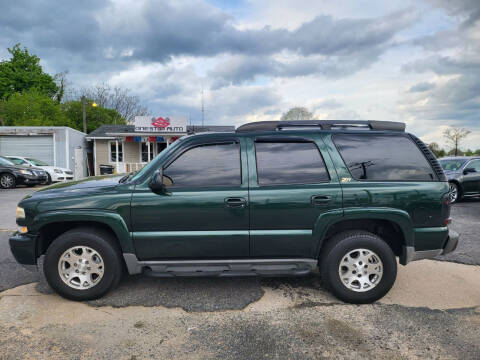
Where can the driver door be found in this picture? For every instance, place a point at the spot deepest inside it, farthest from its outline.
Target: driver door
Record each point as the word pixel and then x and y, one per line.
pixel 205 211
pixel 471 180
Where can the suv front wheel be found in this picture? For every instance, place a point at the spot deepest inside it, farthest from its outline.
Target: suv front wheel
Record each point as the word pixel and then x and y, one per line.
pixel 358 267
pixel 83 264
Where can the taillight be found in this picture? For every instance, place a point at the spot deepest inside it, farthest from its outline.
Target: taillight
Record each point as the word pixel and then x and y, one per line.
pixel 446 204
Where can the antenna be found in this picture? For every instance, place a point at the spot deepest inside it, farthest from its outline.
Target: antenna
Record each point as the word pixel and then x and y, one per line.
pixel 203 109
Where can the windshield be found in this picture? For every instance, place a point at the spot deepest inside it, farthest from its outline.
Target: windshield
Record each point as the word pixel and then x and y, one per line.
pixel 4 161
pixel 16 161
pixel 37 162
pixel 159 156
pixel 451 165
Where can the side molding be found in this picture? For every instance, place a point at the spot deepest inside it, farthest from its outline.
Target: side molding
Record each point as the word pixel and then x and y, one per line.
pixel 215 267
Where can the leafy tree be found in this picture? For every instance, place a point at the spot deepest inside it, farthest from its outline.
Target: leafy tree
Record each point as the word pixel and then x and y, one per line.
pixel 96 116
pixel 469 152
pixel 297 113
pixel 477 152
pixel 32 108
pixel 23 72
pixel 454 136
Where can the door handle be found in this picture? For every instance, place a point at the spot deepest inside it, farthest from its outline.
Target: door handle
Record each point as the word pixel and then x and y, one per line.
pixel 235 202
pixel 319 200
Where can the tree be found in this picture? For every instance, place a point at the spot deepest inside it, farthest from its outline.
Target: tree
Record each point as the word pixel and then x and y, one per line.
pixel 23 72
pixel 436 150
pixel 32 108
pixel 297 113
pixel 454 136
pixel 96 116
pixel 119 99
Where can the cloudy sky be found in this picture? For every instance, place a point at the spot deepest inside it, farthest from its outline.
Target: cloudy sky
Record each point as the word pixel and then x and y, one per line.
pixel 416 61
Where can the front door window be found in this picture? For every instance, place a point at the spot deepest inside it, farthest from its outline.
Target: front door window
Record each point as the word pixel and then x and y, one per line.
pixel 205 166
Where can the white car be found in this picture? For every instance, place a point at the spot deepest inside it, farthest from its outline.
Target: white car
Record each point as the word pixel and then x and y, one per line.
pixel 54 173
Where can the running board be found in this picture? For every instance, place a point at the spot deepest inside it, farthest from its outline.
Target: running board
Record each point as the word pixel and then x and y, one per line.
pixel 241 267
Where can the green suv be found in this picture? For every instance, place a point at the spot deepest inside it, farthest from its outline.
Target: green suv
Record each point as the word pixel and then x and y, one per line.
pixel 273 198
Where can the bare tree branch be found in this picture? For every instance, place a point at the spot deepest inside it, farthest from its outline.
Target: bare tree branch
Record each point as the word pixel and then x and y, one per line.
pixel 454 136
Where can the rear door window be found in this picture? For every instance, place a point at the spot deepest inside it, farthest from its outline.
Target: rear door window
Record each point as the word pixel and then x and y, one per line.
pixel 289 163
pixel 378 157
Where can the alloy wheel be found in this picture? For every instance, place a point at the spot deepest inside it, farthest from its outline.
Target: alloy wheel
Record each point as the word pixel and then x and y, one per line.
pixel 360 270
pixel 453 192
pixel 7 181
pixel 81 267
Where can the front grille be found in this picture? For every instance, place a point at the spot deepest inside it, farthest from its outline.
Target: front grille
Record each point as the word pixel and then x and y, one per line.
pixel 39 172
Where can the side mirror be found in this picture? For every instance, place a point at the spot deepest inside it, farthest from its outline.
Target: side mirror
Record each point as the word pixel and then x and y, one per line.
pixel 156 182
pixel 469 171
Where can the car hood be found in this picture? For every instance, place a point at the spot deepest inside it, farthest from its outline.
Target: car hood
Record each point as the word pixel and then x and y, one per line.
pixel 21 167
pixel 74 186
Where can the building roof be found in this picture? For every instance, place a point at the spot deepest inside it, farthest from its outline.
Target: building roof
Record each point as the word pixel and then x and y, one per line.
pixel 37 130
pixel 110 131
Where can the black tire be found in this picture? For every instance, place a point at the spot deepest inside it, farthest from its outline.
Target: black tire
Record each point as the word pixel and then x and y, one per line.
pixel 49 180
pixel 454 186
pixel 336 250
pixel 7 181
pixel 100 241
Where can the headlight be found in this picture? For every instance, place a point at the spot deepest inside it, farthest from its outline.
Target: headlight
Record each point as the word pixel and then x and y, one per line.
pixel 25 172
pixel 58 171
pixel 20 213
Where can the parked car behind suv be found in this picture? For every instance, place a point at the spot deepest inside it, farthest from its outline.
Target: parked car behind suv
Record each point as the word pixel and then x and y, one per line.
pixel 463 173
pixel 272 198
pixel 54 173
pixel 12 175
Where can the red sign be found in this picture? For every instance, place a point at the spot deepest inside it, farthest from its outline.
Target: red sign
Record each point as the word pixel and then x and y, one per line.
pixel 160 122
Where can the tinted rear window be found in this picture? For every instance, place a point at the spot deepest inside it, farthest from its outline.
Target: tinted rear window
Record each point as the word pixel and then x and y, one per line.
pixel 383 158
pixel 289 163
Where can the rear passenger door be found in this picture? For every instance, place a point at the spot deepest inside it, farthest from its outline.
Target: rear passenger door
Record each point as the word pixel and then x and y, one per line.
pixel 291 183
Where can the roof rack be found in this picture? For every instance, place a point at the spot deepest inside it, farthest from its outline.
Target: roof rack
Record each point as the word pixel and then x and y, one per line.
pixel 322 125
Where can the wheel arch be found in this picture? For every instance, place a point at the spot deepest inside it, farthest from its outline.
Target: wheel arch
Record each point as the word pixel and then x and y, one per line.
pixel 52 224
pixel 393 225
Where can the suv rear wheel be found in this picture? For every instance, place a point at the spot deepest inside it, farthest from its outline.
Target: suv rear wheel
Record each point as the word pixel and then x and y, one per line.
pixel 358 267
pixel 83 264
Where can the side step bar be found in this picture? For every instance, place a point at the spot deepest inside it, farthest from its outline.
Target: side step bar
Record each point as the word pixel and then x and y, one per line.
pixel 241 267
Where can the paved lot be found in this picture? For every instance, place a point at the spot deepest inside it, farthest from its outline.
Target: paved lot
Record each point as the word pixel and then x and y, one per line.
pixel 432 312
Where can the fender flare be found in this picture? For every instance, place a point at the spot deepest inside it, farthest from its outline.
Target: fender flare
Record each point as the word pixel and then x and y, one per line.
pixel 111 219
pixel 330 218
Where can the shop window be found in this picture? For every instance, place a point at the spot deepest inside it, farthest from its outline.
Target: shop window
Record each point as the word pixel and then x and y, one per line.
pixel 113 152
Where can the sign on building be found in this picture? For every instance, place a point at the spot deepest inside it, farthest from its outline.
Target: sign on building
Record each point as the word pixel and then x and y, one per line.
pixel 167 124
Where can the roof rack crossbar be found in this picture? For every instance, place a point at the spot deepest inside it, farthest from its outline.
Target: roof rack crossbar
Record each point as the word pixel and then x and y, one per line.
pixel 322 125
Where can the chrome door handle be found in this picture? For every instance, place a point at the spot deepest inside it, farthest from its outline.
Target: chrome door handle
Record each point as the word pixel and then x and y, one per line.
pixel 235 202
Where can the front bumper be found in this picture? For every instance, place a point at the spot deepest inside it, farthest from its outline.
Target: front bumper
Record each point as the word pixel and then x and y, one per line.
pixel 30 179
pixel 23 248
pixel 410 254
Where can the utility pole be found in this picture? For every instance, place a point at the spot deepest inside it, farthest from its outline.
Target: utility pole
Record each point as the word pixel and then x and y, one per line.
pixel 84 115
